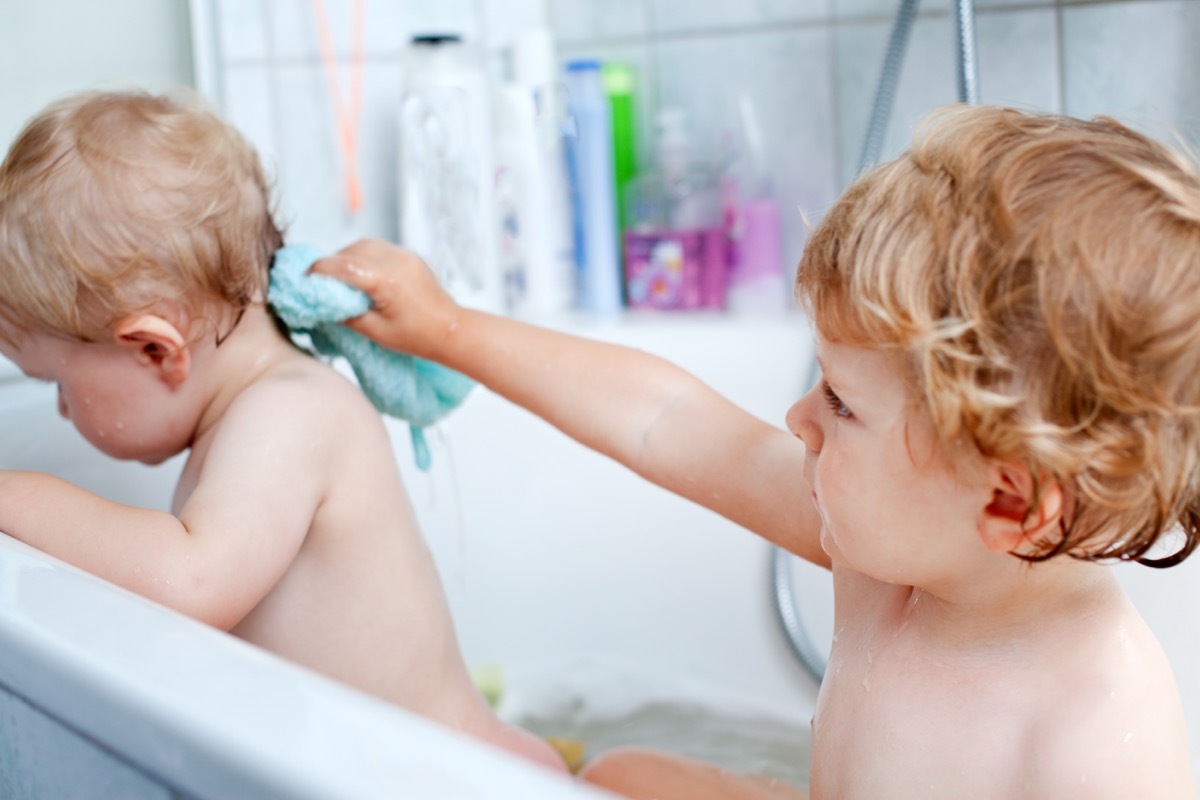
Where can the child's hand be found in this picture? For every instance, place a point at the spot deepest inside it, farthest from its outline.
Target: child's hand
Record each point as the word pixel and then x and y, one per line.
pixel 410 310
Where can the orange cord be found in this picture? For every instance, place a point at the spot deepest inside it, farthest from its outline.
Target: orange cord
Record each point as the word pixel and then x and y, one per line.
pixel 347 118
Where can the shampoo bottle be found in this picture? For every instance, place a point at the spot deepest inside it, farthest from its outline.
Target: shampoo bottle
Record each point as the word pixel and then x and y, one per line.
pixel 590 175
pixel 676 253
pixel 536 252
pixel 447 212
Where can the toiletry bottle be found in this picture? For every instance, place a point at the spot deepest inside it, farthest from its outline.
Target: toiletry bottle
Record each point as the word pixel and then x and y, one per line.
pixel 536 251
pixel 619 89
pixel 757 284
pixel 447 211
pixel 590 175
pixel 675 245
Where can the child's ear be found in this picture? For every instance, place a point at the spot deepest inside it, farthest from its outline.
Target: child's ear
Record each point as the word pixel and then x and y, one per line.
pixel 157 344
pixel 1014 516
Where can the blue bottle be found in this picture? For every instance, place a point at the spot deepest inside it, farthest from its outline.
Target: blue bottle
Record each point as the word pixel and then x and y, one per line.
pixel 593 194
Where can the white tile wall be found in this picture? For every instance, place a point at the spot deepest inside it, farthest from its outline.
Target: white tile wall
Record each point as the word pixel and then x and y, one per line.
pixel 847 9
pixel 811 67
pixel 55 47
pixel 598 20
pixel 1018 64
pixel 785 75
pixel 1139 62
pixel 676 16
pixel 242 28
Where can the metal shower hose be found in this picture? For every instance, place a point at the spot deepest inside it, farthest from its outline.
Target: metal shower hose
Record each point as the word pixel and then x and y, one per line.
pixel 968 92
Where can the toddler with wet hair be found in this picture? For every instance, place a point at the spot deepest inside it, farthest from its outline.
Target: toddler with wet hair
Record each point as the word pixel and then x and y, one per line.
pixel 136 237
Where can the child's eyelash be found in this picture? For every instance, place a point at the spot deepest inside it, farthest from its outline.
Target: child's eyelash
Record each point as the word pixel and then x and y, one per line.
pixel 839 408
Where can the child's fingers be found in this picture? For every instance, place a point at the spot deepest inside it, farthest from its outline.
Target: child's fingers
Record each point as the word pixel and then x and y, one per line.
pixel 369 325
pixel 349 271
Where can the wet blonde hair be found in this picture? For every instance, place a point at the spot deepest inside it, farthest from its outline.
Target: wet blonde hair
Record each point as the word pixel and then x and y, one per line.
pixel 1040 278
pixel 112 203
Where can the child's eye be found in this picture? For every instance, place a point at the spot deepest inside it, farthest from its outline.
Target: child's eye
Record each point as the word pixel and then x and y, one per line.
pixel 839 408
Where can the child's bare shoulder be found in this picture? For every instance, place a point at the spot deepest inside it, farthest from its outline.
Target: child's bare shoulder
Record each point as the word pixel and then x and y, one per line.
pixel 304 385
pixel 303 400
pixel 1116 719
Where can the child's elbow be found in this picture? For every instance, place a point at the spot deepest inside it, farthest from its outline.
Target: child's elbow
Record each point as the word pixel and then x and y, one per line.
pixel 198 596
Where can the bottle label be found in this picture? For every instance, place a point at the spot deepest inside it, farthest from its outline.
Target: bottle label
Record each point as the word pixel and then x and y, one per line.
pixel 676 269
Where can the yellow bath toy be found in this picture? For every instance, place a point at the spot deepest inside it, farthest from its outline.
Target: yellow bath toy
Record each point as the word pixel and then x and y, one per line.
pixel 489 680
pixel 571 750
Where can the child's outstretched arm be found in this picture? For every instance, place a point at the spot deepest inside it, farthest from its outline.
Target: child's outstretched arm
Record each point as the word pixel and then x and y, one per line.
pixel 244 519
pixel 648 414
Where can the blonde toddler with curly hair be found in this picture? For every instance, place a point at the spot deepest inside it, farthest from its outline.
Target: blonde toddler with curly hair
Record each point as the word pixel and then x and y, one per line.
pixel 1005 319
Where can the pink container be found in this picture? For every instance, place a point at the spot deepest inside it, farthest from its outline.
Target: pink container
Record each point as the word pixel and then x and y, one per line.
pixel 676 270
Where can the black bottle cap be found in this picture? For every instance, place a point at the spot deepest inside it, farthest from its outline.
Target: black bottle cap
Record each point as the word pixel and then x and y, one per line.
pixel 435 39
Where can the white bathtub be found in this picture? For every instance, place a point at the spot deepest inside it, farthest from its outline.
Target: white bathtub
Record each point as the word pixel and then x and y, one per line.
pixel 562 569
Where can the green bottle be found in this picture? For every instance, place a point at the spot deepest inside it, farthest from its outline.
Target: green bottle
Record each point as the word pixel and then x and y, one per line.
pixel 618 87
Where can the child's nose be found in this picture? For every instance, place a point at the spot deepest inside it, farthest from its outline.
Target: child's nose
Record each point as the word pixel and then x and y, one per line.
pixel 802 421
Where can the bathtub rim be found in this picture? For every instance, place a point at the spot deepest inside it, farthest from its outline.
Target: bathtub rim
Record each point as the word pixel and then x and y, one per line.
pixel 146 693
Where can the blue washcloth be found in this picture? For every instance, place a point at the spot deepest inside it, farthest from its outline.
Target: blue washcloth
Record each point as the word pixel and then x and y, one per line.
pixel 403 386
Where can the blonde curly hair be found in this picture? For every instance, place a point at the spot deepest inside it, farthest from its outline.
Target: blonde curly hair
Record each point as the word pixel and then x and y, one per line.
pixel 1040 277
pixel 113 202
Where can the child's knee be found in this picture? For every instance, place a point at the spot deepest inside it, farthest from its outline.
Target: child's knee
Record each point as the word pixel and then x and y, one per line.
pixel 643 774
pixel 629 771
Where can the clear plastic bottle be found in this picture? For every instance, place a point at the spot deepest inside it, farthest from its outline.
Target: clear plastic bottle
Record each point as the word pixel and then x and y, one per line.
pixel 447 211
pixel 757 283
pixel 676 249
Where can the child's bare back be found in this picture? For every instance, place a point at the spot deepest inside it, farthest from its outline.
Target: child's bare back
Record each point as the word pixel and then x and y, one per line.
pixel 357 595
pixel 145 305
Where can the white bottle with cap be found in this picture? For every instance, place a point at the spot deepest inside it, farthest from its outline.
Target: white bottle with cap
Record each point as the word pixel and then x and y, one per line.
pixel 447 210
pixel 536 252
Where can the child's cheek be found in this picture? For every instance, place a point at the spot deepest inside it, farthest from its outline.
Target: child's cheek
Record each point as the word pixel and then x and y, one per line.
pixel 833 486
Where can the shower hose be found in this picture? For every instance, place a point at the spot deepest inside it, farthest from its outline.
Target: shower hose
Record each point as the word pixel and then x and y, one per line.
pixel 788 611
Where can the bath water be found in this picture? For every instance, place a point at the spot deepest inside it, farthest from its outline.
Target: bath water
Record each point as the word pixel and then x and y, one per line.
pixel 605 706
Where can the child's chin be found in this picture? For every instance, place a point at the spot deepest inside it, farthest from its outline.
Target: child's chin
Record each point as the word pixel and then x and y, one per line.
pixel 827 542
pixel 153 459
pixel 149 459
